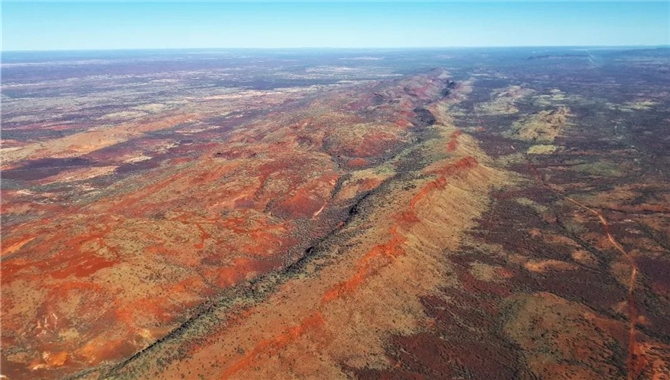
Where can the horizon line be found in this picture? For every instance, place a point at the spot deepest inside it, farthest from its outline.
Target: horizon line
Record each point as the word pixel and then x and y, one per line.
pixel 334 48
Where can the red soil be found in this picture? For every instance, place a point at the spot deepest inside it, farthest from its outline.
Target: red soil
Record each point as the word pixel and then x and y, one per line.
pixel 206 215
pixel 453 140
pixel 357 163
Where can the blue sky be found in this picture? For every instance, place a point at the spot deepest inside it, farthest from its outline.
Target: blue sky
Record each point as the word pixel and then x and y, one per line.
pixel 129 25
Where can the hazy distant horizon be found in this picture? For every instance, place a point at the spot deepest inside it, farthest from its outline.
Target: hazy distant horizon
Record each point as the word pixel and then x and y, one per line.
pixel 96 26
pixel 371 48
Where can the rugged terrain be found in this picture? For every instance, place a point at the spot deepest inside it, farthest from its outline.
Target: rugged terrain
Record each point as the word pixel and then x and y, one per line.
pixel 401 215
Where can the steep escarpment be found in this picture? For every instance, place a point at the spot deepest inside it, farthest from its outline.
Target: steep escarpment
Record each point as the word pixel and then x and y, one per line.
pixel 148 245
pixel 361 286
